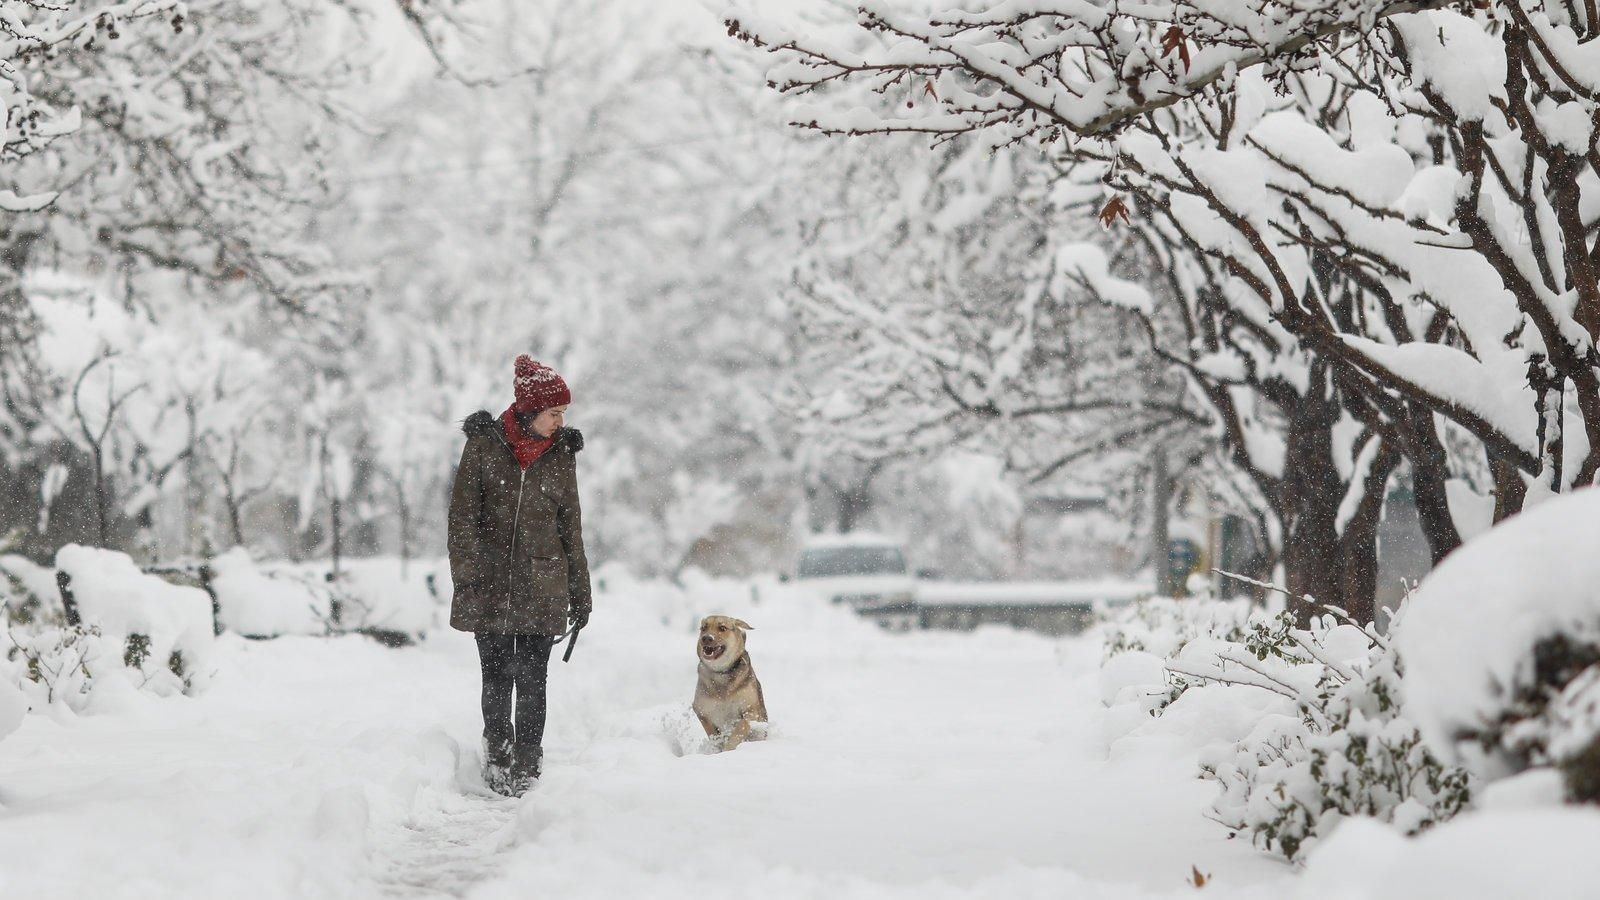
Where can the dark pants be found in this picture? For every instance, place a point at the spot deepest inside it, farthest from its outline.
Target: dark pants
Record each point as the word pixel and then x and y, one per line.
pixel 520 661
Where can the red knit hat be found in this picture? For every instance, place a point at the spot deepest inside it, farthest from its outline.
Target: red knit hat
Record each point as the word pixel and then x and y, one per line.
pixel 538 387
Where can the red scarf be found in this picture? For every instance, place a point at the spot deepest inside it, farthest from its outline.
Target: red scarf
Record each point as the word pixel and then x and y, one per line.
pixel 527 447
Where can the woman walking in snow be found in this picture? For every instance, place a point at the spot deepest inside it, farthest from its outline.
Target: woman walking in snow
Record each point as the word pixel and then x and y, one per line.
pixel 517 562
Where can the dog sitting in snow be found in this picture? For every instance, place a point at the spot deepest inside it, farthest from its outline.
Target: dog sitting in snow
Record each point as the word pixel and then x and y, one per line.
pixel 727 698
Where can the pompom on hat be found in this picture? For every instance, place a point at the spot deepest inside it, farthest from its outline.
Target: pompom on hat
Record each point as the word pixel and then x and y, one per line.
pixel 538 387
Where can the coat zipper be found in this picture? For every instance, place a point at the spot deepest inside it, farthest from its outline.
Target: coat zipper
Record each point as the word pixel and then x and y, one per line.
pixel 516 516
pixel 511 558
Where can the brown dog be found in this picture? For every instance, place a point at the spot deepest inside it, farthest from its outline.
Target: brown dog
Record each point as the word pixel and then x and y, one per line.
pixel 728 697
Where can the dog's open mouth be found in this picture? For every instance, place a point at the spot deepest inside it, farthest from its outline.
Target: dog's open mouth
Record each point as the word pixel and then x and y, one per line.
pixel 710 649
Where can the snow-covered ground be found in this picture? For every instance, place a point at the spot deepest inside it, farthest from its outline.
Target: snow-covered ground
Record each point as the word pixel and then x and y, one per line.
pixel 905 765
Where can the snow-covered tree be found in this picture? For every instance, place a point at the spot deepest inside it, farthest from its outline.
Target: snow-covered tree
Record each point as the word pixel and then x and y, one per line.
pixel 1392 190
pixel 40 39
pixel 581 213
pixel 183 199
pixel 933 324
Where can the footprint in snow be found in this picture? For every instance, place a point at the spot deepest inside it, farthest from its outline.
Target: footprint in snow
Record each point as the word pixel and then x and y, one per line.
pixel 450 840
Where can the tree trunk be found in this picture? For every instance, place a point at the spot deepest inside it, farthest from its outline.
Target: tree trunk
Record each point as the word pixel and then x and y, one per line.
pixel 405 528
pixel 1160 537
pixel 101 502
pixel 853 507
pixel 1335 566
pixel 333 514
pixel 1358 570
pixel 855 499
pixel 1332 564
pixel 1358 543
pixel 1312 491
pixel 234 520
pixel 1430 470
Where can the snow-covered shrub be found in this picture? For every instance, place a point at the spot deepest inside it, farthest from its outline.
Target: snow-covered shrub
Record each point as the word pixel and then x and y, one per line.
pixel 1502 647
pixel 47 661
pixel 1350 750
pixel 147 633
pixel 393 603
pixel 163 631
pixel 28 592
pixel 311 583
pixel 1340 745
pixel 1161 627
pixel 42 659
pixel 382 595
pixel 67 664
pixel 254 603
pixel 55 663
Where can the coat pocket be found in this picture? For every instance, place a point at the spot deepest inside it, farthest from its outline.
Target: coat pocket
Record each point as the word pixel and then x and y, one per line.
pixel 467 594
pixel 469 607
pixel 549 576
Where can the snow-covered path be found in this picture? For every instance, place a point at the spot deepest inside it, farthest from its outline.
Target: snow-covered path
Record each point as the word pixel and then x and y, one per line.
pixel 444 849
pixel 922 765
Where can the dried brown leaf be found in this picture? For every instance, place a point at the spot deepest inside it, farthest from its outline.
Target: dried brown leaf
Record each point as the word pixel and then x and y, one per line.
pixel 1115 208
pixel 1175 39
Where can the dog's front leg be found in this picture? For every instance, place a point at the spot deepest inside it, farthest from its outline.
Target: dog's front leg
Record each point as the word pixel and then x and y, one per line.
pixel 737 735
pixel 711 730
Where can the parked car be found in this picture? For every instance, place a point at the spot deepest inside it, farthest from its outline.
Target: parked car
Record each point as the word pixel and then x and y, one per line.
pixel 864 571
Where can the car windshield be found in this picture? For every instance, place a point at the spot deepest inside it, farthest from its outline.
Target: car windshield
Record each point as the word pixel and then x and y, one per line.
pixel 828 562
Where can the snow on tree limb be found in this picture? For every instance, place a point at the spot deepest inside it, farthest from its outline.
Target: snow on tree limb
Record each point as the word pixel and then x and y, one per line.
pixel 1088 67
pixel 32 34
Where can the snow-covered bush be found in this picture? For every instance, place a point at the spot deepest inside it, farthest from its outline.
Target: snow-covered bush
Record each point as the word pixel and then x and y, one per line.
pixel 1137 639
pixel 1163 625
pixel 28 591
pixel 255 604
pixel 380 597
pixel 1339 745
pixel 164 631
pixel 55 663
pixel 42 659
pixel 1502 647
pixel 133 628
pixel 1350 751
pixel 383 595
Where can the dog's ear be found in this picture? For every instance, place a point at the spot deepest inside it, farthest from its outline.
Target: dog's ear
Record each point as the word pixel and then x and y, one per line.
pixel 743 624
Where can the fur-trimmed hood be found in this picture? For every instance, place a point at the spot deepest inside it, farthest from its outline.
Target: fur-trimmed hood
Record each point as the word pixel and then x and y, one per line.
pixel 484 422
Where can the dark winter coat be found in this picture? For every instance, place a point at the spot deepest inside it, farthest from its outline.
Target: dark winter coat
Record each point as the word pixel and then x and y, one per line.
pixel 516 535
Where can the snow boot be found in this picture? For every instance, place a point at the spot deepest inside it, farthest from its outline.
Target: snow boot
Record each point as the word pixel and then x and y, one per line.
pixel 526 768
pixel 497 768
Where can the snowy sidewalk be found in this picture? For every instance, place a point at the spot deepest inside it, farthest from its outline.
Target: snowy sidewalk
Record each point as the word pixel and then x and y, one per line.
pixel 921 765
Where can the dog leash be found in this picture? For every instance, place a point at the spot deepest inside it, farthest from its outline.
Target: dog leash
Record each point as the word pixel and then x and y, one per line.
pixel 571 637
